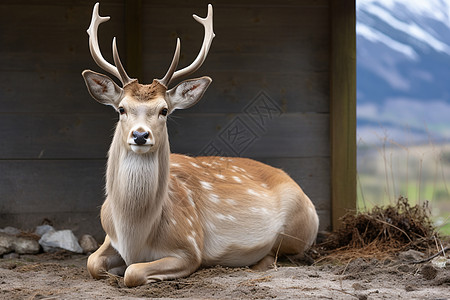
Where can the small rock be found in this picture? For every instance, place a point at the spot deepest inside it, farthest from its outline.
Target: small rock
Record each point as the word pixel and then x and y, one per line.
pixel 64 239
pixel 43 229
pixel 12 255
pixel 409 288
pixel 10 230
pixel 440 262
pixel 6 243
pixel 411 255
pixel 21 245
pixel 26 246
pixel 88 243
pixel 428 272
pixel 359 287
pixel 404 268
pixel 362 297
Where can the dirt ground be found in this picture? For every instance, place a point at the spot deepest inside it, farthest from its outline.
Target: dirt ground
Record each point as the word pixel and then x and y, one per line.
pixel 64 276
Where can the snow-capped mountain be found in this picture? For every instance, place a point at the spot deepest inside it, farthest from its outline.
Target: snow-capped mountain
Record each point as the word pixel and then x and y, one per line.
pixel 403 70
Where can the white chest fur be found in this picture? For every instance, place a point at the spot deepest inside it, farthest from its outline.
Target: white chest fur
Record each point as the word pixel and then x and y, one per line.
pixel 136 203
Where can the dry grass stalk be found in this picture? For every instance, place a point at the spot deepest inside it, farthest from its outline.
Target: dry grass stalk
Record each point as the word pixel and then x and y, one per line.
pixel 380 233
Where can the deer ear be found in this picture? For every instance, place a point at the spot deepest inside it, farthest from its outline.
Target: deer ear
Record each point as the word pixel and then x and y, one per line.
pixel 187 93
pixel 102 88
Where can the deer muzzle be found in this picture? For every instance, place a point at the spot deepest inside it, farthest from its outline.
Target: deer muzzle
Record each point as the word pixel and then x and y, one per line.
pixel 140 140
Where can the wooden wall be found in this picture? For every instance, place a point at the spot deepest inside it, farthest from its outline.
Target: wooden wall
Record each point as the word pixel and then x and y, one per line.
pixel 55 137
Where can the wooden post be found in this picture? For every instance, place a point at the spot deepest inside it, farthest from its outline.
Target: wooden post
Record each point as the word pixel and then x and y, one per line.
pixel 133 37
pixel 343 108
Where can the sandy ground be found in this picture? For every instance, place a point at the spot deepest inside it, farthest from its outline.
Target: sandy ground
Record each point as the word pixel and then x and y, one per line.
pixel 64 276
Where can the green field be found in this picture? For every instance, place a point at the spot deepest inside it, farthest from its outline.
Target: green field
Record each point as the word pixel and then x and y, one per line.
pixel 418 172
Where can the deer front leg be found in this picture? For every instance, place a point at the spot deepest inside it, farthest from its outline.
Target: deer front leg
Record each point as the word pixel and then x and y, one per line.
pixel 162 269
pixel 105 259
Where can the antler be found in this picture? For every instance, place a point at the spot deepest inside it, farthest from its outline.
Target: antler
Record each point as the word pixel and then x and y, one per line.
pixel 118 70
pixel 197 63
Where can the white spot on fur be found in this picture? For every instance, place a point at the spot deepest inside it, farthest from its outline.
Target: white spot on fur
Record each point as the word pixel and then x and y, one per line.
pixel 259 210
pixel 226 218
pixel 206 164
pixel 189 197
pixel 230 201
pixel 190 222
pixel 253 193
pixel 220 176
pixel 206 185
pixel 194 243
pixel 195 165
pixel 264 185
pixel 238 169
pixel 174 222
pixel 237 179
pixel 214 198
pixel 175 165
pixel 194 234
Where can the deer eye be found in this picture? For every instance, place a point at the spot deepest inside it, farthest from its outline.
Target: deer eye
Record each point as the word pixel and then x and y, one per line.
pixel 121 110
pixel 164 112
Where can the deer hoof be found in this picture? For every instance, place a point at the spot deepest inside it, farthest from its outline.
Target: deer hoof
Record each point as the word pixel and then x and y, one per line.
pixel 134 276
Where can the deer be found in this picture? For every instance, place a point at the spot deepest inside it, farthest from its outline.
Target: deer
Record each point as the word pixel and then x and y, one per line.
pixel 166 215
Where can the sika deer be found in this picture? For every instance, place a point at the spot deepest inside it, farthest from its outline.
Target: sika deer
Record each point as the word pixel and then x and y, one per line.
pixel 165 215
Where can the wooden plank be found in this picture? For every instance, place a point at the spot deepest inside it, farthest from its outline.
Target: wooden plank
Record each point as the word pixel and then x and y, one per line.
pixel 31 186
pixel 297 38
pixel 271 26
pixel 301 61
pixel 289 135
pixel 50 136
pixel 46 93
pixel 240 4
pixel 45 33
pixel 60 2
pixel 133 35
pixel 67 192
pixel 343 109
pixel 47 53
pixel 231 91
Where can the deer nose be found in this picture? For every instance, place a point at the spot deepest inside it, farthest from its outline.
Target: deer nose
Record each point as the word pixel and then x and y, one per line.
pixel 140 138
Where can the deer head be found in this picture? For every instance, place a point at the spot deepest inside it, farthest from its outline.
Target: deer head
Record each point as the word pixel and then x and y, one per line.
pixel 143 108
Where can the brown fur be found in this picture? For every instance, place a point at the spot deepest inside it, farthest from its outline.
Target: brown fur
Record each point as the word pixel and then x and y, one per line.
pixel 144 93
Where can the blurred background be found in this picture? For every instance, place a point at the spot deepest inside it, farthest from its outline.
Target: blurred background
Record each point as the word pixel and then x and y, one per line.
pixel 403 103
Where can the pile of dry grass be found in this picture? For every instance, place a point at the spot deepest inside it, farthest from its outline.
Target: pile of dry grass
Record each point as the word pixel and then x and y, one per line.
pixel 380 233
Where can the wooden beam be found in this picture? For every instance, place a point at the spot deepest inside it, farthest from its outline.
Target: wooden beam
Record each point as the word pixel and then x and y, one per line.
pixel 343 108
pixel 133 37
